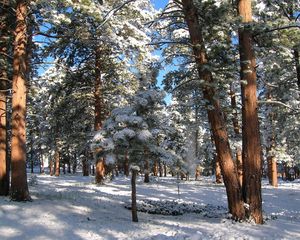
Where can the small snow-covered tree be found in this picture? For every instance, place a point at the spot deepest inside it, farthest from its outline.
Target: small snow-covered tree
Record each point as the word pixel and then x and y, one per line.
pixel 137 130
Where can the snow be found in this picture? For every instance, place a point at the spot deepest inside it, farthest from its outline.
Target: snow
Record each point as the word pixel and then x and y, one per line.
pixel 124 134
pixel 73 207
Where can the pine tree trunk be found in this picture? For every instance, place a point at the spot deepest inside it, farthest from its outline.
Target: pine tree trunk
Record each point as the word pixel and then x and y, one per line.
pixel 218 170
pixel 68 166
pixel 235 121
pixel 126 164
pixel 271 161
pixel 4 44
pixel 133 196
pixel 297 63
pixel 239 165
pixel 42 168
pixel 250 131
pixel 19 186
pixel 160 169
pixel 64 167
pixel 98 94
pixel 51 167
pixel 57 165
pixel 215 115
pixel 99 111
pixel 85 167
pixel 74 165
pixel 155 168
pixel 146 166
pixel 165 169
pixel 236 128
pixel 100 170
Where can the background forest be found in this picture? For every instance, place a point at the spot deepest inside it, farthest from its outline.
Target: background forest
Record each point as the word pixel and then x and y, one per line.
pixel 196 88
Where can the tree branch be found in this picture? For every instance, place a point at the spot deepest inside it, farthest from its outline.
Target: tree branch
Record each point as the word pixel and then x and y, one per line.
pixel 113 11
pixel 278 103
pixel 276 29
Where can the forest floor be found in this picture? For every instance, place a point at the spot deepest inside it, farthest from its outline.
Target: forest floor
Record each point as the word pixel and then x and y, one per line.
pixel 71 207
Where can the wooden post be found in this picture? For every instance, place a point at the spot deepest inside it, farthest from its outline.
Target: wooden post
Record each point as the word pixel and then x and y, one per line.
pixel 133 195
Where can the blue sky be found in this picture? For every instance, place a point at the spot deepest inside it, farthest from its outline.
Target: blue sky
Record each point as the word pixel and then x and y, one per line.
pixel 159 3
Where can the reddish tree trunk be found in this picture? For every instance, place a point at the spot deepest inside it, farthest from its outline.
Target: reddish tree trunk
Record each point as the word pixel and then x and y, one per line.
pixel 251 139
pixel 160 169
pixel 218 171
pixel 4 160
pixel 155 168
pixel 51 167
pixel 100 170
pixel 215 115
pixel 99 111
pixel 271 161
pixel 272 170
pixel 98 94
pixel 239 165
pixel 19 186
pixel 57 164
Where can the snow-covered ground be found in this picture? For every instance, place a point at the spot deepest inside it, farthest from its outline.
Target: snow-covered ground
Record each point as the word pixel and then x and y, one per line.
pixel 72 207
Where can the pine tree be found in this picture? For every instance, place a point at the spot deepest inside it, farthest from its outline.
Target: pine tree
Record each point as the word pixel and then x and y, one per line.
pixel 215 114
pixel 4 47
pixel 251 138
pixel 19 187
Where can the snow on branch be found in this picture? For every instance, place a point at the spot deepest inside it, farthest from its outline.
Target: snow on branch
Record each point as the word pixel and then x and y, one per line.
pixel 112 12
pixel 279 103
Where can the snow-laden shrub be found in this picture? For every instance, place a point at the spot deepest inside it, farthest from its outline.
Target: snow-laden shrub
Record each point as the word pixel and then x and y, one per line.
pixel 178 207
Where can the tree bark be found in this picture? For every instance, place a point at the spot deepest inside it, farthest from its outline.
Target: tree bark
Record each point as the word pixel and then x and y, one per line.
pixel 165 169
pixel 218 170
pixel 251 152
pixel 64 167
pixel 19 186
pixel 98 94
pixel 57 164
pixel 239 165
pixel 236 128
pixel 297 63
pixel 271 161
pixel 133 196
pixel 146 166
pixel 100 170
pixel 4 44
pixel 99 111
pixel 51 167
pixel 235 119
pixel 42 168
pixel 85 167
pixel 215 115
pixel 74 165
pixel 155 168
pixel 126 164
pixel 160 169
